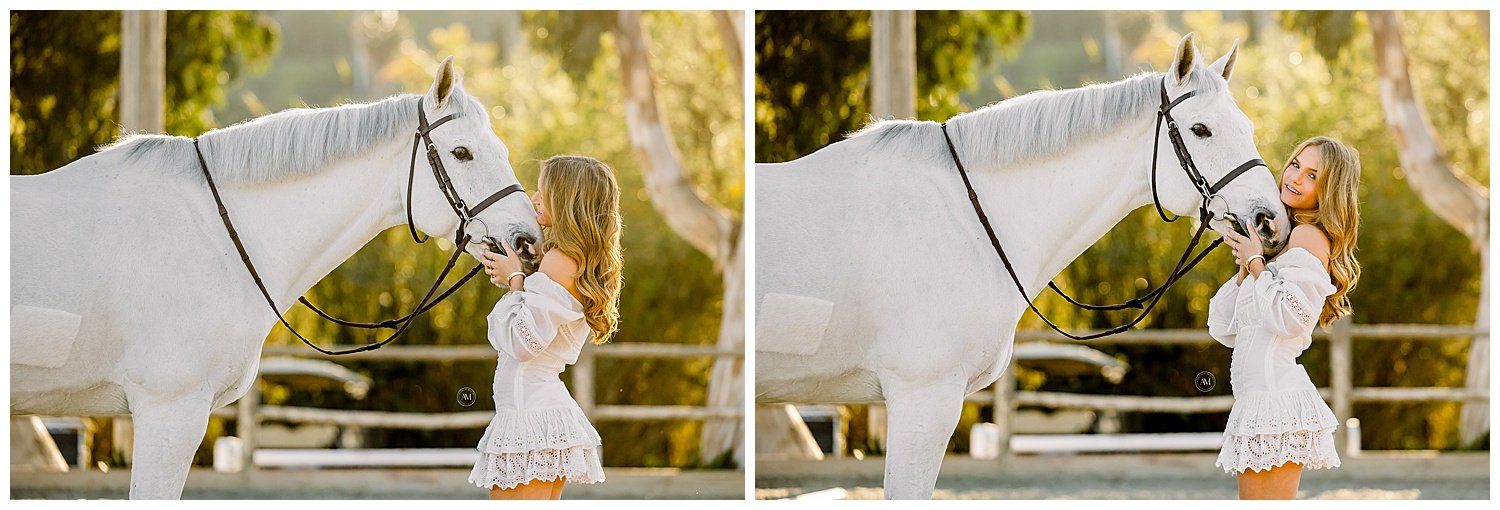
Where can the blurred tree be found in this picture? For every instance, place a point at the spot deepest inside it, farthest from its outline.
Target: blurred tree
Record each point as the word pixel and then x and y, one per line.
pixel 1459 200
pixel 674 185
pixel 706 225
pixel 65 68
pixel 802 104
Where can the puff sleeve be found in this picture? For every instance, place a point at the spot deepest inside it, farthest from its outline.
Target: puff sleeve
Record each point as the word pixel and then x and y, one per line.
pixel 1289 295
pixel 525 322
pixel 1221 310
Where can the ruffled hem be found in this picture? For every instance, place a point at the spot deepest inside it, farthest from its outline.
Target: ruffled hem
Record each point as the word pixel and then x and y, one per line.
pixel 1313 449
pixel 509 470
pixel 543 429
pixel 1271 413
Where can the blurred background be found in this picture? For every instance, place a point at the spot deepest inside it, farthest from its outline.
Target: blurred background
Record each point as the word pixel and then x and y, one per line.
pixel 1413 371
pixel 666 392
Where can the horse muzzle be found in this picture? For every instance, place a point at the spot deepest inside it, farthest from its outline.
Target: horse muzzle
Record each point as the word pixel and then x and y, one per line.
pixel 1272 228
pixel 526 248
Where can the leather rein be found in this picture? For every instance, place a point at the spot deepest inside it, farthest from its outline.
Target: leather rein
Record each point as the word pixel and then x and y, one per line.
pixel 461 239
pixel 1185 263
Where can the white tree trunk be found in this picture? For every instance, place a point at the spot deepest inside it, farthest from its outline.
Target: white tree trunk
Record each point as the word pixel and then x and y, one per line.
pixel 893 64
pixel 731 25
pixel 705 225
pixel 1452 195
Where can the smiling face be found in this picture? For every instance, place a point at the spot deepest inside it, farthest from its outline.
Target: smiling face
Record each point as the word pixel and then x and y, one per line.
pixel 1299 180
pixel 538 201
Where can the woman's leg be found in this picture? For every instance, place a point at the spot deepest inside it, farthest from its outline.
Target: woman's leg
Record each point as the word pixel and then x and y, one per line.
pixel 557 488
pixel 1279 482
pixel 535 489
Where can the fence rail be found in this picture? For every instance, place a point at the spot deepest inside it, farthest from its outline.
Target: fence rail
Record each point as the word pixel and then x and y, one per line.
pixel 249 412
pixel 1341 391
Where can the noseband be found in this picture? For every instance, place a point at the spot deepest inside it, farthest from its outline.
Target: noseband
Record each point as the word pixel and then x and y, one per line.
pixel 461 239
pixel 1185 263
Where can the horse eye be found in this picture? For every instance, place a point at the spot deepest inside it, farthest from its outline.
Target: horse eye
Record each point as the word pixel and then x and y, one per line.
pixel 462 153
pixel 1202 131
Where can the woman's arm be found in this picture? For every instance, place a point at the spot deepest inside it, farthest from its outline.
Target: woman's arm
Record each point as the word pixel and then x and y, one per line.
pixel 525 322
pixel 1306 237
pixel 1290 296
pixel 1221 308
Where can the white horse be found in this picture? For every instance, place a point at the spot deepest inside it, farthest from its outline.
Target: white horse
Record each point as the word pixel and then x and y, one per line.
pixel 128 296
pixel 876 282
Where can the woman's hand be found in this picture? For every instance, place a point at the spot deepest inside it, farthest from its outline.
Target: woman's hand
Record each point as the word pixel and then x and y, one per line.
pixel 1248 251
pixel 502 267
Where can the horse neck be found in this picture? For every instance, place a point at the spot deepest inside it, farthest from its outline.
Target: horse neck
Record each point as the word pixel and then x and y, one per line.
pixel 1048 212
pixel 299 230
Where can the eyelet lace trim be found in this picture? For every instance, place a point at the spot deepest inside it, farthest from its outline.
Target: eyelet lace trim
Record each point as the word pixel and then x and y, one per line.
pixel 1313 449
pixel 519 432
pixel 532 343
pixel 508 470
pixel 1296 307
pixel 1264 413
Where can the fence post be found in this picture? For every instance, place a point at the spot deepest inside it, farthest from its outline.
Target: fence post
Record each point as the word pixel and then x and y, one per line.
pixel 1004 405
pixel 583 381
pixel 1341 342
pixel 247 422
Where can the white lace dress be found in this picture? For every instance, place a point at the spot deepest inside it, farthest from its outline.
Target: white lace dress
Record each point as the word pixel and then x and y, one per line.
pixel 539 432
pixel 1278 415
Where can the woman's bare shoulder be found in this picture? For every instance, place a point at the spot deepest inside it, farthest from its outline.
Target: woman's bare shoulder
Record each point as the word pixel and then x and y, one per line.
pixel 1312 239
pixel 561 269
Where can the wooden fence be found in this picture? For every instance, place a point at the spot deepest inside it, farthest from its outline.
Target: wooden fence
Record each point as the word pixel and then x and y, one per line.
pixel 248 412
pixel 1340 391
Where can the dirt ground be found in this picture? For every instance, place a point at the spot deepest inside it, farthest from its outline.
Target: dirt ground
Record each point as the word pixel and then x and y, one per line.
pixel 1131 476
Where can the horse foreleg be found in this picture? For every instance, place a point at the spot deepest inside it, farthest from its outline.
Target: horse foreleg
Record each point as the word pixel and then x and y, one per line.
pixel 921 419
pixel 168 431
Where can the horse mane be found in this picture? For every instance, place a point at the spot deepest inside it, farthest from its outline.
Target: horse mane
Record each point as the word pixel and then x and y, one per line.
pixel 1034 125
pixel 287 144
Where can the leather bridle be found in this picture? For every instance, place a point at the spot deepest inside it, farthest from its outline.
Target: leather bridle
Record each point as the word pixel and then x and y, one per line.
pixel 1185 263
pixel 461 238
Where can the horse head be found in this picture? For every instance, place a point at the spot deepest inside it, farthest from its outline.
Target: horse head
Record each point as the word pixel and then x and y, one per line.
pixel 478 165
pixel 1219 138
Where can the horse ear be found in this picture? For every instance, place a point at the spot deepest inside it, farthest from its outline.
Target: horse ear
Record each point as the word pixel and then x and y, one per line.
pixel 1225 64
pixel 1186 57
pixel 444 83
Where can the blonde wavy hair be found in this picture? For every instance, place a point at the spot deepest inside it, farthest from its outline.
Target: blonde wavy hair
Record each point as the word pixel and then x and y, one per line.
pixel 1337 216
pixel 583 198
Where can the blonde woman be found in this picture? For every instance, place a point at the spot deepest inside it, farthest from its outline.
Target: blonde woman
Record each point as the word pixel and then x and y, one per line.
pixel 539 438
pixel 1279 423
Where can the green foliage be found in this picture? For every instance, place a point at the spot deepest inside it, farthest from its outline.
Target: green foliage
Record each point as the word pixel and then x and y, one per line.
pixel 65 68
pixel 573 36
pixel 1329 31
pixel 812 71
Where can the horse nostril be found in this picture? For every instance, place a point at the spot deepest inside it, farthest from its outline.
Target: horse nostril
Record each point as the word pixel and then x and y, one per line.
pixel 524 244
pixel 1265 224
